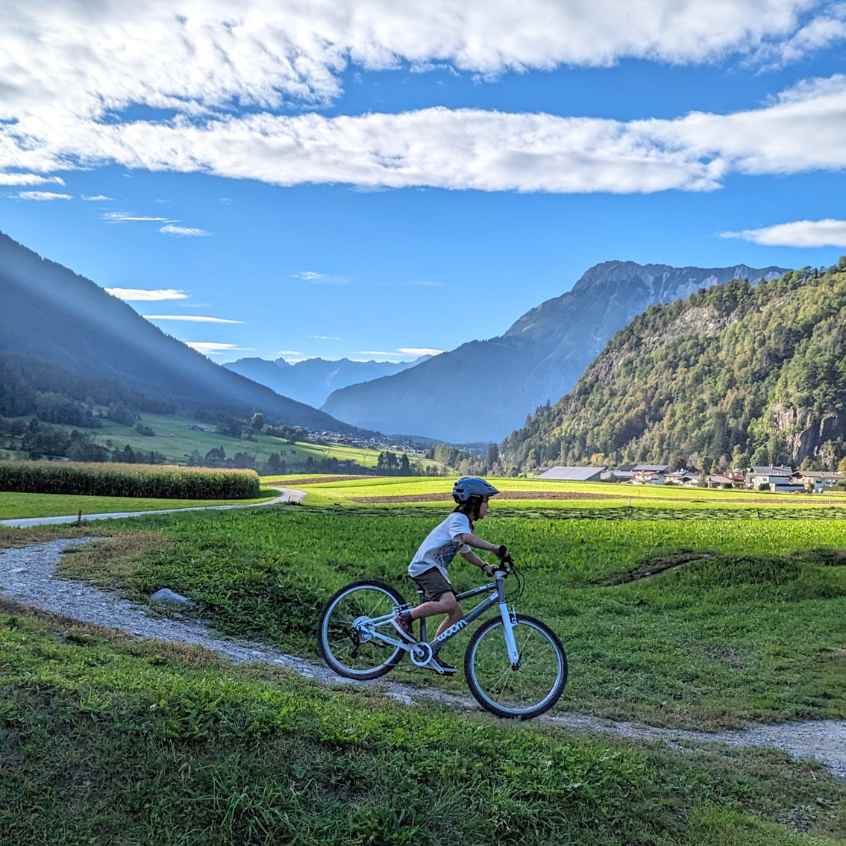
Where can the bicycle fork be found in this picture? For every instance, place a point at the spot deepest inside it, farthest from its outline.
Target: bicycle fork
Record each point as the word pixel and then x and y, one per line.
pixel 509 620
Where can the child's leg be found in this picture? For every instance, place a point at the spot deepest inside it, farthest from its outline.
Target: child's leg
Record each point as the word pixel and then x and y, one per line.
pixel 444 604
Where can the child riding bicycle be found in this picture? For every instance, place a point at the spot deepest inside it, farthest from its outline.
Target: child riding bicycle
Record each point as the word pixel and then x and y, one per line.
pixel 428 568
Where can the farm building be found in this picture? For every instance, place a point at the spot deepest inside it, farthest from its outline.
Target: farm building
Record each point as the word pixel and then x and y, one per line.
pixel 650 474
pixel 774 478
pixel 819 482
pixel 573 474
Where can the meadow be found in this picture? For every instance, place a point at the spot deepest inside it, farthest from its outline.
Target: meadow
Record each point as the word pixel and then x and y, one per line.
pixel 746 620
pixel 108 739
pixel 669 617
pixel 175 438
pixel 555 498
pixel 23 505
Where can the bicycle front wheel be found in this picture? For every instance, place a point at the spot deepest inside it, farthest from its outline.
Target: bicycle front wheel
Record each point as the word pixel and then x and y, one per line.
pixel 345 635
pixel 524 691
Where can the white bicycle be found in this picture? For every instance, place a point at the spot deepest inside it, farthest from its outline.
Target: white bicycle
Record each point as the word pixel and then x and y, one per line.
pixel 515 665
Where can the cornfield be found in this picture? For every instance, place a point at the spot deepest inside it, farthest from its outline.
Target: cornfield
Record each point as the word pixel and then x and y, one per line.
pixel 143 480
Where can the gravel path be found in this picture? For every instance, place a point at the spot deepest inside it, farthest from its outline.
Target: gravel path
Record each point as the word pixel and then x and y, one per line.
pixel 28 575
pixel 286 495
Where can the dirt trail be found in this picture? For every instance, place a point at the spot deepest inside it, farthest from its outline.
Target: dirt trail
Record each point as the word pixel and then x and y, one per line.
pixel 28 575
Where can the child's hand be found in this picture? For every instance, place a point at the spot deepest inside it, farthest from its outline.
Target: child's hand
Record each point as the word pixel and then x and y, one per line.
pixel 488 570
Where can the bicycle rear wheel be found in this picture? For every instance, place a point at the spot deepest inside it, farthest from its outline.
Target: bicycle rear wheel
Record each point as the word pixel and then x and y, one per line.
pixel 526 691
pixel 346 640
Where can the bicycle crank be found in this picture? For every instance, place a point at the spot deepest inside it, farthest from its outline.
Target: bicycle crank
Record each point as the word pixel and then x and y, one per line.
pixel 421 654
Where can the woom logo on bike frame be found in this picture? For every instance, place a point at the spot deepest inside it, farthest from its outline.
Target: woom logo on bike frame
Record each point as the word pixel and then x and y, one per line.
pixel 455 628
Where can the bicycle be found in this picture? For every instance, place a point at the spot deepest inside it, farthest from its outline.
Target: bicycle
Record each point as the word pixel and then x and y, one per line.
pixel 515 665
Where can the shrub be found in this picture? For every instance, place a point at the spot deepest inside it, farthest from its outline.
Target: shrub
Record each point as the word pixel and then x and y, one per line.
pixel 159 481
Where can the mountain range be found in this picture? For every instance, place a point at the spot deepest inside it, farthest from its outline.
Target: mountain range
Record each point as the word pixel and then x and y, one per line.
pixel 485 389
pixel 312 380
pixel 62 327
pixel 751 374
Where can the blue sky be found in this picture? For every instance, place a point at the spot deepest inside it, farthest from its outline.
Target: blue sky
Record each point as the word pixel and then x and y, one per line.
pixel 405 177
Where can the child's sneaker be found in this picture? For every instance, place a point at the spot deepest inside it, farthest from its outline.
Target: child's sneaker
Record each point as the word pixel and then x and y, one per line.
pixel 402 623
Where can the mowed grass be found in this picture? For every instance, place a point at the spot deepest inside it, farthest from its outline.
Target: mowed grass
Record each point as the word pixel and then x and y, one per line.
pixel 553 494
pixel 22 505
pixel 107 740
pixel 751 628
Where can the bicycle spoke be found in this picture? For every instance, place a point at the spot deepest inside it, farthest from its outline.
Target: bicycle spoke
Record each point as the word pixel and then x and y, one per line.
pixel 520 689
pixel 352 649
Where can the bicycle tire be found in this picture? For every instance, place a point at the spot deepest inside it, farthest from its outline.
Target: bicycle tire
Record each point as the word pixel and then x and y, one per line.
pixel 487 699
pixel 327 652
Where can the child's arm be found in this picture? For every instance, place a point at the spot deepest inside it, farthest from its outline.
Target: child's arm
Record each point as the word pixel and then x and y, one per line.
pixel 472 558
pixel 473 540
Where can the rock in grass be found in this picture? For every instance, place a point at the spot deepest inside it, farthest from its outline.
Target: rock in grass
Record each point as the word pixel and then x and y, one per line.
pixel 168 597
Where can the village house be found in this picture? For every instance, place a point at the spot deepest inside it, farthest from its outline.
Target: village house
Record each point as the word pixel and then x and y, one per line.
pixel 776 479
pixel 650 474
pixel 820 481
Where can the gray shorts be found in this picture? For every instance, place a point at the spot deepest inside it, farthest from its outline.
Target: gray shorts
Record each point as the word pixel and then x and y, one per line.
pixel 433 584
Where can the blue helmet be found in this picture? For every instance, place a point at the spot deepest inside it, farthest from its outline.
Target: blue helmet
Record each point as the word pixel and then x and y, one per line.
pixel 470 486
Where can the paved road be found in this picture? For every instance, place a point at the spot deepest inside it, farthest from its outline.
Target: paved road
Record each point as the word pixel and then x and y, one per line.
pixel 286 495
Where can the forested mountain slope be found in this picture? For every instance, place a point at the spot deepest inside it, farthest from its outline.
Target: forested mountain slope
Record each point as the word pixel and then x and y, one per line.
pixel 59 332
pixel 758 371
pixel 485 389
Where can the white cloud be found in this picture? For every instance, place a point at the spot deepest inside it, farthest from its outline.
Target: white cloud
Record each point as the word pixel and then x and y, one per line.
pixel 43 196
pixel 190 318
pixel 325 338
pixel 799 233
pixel 418 351
pixel 426 283
pixel 184 231
pixel 95 198
pixel 125 217
pixel 276 50
pixel 320 278
pixel 212 347
pixel 822 31
pixel 381 353
pixel 272 53
pixel 146 294
pixel 29 179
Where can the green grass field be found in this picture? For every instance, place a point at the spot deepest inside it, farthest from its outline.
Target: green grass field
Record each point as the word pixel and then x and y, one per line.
pixel 387 491
pixel 110 740
pixel 752 628
pixel 175 439
pixel 162 744
pixel 20 505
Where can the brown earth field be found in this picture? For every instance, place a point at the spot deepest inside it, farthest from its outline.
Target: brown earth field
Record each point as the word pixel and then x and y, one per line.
pixel 319 480
pixel 571 495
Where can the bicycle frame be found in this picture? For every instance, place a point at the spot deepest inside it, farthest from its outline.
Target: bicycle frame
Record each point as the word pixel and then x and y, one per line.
pixel 496 596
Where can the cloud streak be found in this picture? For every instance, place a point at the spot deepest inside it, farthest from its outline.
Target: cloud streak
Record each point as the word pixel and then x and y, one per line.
pixel 320 278
pixel 146 295
pixel 29 179
pixel 126 217
pixel 191 318
pixel 184 231
pixel 798 233
pixel 43 196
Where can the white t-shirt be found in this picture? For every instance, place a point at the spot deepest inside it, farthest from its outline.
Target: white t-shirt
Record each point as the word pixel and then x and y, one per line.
pixel 440 545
